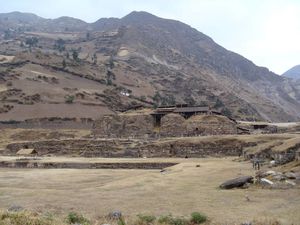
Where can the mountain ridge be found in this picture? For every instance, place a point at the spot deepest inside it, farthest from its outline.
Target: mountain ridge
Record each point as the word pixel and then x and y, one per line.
pixel 155 57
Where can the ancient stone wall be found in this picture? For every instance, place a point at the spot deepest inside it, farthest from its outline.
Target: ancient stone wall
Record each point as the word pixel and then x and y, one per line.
pixel 49 123
pixel 171 125
pixel 132 148
pixel 81 165
pixel 123 125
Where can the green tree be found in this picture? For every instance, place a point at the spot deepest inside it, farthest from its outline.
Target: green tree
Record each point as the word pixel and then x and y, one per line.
pixel 157 99
pixel 64 64
pixel 7 34
pixel 143 98
pixel 75 55
pixel 88 35
pixel 168 100
pixel 60 45
pixel 111 62
pixel 69 99
pixel 94 58
pixel 32 41
pixel 219 104
pixel 190 100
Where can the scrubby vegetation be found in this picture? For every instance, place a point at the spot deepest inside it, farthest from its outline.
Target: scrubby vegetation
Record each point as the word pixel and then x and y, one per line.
pixel 26 218
pixel 30 218
pixel 198 218
pixel 75 218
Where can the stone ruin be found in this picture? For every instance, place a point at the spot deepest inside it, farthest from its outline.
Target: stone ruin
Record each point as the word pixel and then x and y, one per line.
pixel 146 124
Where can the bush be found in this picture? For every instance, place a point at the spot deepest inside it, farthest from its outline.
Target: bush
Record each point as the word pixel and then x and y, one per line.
pixel 121 221
pixel 165 219
pixel 69 99
pixel 74 217
pixel 24 218
pixel 145 219
pixel 179 221
pixel 198 218
pixel 170 220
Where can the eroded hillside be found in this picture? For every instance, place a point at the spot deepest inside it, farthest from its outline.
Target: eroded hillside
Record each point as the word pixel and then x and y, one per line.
pixel 76 69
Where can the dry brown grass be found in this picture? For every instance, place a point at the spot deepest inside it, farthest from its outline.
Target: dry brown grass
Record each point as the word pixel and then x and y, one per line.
pixel 288 144
pixel 180 190
pixel 46 218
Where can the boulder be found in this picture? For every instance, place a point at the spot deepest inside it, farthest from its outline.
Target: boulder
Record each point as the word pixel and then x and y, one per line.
pixel 290 175
pixel 272 163
pixel 15 208
pixel 266 182
pixel 115 215
pixel 279 177
pixel 290 182
pixel 237 182
pixel 246 223
pixel 269 173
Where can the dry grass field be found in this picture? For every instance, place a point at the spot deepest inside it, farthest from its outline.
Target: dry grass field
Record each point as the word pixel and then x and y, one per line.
pixel 179 190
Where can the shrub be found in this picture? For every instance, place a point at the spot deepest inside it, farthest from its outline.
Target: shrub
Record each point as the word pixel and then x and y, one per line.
pixel 121 221
pixel 69 99
pixel 198 218
pixel 24 218
pixel 75 55
pixel 145 219
pixel 74 217
pixel 179 221
pixel 165 219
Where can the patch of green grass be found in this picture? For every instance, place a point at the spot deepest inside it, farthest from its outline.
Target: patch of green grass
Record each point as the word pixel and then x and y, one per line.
pixel 121 221
pixel 145 219
pixel 24 218
pixel 165 219
pixel 179 221
pixel 170 220
pixel 74 217
pixel 198 218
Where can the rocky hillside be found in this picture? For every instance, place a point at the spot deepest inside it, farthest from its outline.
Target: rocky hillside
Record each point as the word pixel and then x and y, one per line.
pixel 293 72
pixel 68 68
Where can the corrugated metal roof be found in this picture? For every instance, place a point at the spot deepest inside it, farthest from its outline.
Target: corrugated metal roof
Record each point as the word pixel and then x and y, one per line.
pixel 191 109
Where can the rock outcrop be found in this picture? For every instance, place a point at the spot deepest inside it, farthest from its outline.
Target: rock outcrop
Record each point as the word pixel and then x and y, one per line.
pixel 237 182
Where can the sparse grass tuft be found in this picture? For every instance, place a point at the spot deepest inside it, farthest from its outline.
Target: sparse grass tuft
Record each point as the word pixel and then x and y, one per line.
pixel 266 222
pixel 25 218
pixel 170 220
pixel 179 221
pixel 74 218
pixel 121 221
pixel 145 219
pixel 165 219
pixel 198 218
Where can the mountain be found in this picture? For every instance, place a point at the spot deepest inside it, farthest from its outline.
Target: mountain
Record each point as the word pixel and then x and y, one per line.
pixel 293 72
pixel 139 59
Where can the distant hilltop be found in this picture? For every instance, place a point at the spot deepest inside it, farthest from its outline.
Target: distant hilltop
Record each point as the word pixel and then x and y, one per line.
pixel 294 72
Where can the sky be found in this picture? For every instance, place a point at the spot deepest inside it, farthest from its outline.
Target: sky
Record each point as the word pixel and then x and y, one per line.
pixel 266 32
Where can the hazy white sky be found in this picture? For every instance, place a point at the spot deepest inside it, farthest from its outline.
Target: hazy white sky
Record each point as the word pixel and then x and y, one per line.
pixel 265 31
